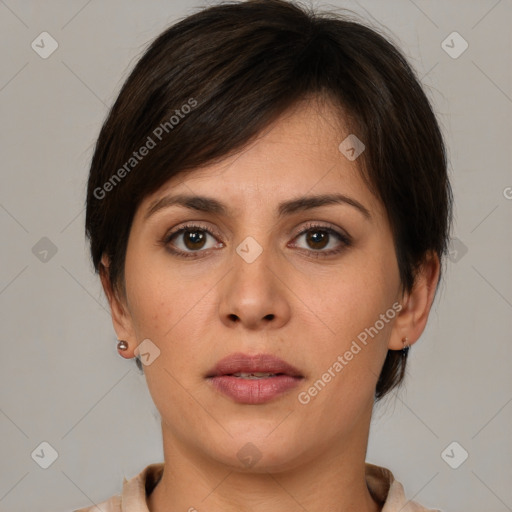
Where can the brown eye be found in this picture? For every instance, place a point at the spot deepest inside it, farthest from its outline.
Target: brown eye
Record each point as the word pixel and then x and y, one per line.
pixel 317 239
pixel 189 241
pixel 194 240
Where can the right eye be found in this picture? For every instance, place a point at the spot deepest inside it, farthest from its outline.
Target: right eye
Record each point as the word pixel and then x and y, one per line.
pixel 193 238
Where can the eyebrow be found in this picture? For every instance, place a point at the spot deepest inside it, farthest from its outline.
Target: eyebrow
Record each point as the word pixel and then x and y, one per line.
pixel 211 205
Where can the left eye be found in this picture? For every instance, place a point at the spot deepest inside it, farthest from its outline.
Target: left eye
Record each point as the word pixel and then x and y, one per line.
pixel 319 237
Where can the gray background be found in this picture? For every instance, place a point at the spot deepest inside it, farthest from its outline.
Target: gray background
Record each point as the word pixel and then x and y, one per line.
pixel 61 379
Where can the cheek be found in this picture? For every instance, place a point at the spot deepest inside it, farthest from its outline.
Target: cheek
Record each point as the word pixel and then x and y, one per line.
pixel 157 304
pixel 357 293
pixel 152 300
pixel 346 359
pixel 355 306
pixel 169 308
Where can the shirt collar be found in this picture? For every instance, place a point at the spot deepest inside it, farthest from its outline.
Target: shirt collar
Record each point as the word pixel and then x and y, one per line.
pixel 383 487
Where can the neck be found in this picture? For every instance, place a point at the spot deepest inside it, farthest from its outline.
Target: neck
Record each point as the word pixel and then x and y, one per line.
pixel 333 478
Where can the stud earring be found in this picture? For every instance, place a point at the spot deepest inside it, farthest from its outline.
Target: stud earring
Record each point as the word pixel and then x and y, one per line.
pixel 405 350
pixel 122 345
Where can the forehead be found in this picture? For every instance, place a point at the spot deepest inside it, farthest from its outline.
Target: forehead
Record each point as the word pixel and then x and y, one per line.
pixel 296 155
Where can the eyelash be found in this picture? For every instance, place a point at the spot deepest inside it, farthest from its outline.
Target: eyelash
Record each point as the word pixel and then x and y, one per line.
pixel 344 238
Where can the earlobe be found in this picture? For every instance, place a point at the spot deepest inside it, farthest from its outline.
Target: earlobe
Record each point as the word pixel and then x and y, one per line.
pixel 121 319
pixel 416 304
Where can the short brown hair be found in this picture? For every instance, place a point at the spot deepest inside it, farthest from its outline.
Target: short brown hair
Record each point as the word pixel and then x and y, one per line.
pixel 238 66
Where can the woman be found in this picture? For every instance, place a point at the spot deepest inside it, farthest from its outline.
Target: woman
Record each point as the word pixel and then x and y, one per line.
pixel 268 208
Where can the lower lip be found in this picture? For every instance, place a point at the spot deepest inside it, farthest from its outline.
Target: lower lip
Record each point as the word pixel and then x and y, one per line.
pixel 254 391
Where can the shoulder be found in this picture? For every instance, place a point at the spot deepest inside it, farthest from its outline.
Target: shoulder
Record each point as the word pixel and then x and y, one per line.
pixel 390 493
pixel 134 492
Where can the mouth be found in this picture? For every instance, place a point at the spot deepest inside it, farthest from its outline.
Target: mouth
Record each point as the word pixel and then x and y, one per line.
pixel 253 380
pixel 261 366
pixel 254 375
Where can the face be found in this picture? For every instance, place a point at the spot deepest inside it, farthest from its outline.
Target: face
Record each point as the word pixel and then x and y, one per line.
pixel 317 287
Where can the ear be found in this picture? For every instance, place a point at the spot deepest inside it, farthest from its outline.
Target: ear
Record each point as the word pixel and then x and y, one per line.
pixel 121 319
pixel 412 318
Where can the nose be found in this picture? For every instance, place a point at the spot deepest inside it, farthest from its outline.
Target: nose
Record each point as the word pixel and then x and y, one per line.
pixel 254 295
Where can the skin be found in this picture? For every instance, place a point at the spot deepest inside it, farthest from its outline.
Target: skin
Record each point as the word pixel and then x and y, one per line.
pixel 198 310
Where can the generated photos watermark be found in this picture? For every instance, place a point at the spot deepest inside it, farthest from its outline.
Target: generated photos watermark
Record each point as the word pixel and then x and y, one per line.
pixel 337 366
pixel 158 133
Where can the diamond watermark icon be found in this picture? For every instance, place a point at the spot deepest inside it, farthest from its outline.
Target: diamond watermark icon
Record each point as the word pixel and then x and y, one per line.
pixel 44 45
pixel 248 455
pixel 454 455
pixel 351 147
pixel 249 249
pixel 45 455
pixel 456 250
pixel 454 45
pixel 147 352
pixel 44 250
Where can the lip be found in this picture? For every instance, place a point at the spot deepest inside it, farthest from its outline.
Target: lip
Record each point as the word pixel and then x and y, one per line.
pixel 239 362
pixel 253 391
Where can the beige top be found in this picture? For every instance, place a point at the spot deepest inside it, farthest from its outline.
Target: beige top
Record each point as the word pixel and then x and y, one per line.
pixel 381 483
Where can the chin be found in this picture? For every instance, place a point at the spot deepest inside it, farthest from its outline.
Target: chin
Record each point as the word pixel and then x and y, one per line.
pixel 254 450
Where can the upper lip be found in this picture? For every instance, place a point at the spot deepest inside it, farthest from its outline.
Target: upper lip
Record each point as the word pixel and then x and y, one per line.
pixel 266 363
